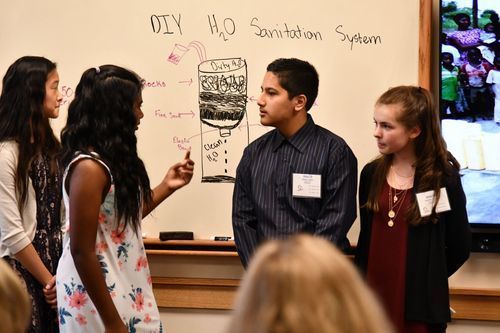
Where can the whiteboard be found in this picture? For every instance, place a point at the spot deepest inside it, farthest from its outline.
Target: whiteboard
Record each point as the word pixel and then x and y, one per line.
pixel 189 52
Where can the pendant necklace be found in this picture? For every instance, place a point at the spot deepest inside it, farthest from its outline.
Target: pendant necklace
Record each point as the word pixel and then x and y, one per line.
pixel 396 199
pixel 397 195
pixel 395 205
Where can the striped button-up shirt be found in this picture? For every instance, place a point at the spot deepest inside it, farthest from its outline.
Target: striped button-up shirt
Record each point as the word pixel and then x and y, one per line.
pixel 263 204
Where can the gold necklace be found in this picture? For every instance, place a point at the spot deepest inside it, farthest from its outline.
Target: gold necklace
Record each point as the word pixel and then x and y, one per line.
pixel 402 186
pixel 394 205
pixel 397 173
pixel 397 194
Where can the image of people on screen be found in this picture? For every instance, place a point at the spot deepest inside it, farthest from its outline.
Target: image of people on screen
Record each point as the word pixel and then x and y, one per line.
pixel 469 102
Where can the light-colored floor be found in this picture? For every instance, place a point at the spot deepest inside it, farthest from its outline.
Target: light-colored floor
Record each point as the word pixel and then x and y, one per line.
pixel 194 321
pixel 214 321
pixel 473 326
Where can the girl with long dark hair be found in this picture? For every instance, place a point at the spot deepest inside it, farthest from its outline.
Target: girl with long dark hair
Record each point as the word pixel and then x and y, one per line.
pixel 103 279
pixel 30 182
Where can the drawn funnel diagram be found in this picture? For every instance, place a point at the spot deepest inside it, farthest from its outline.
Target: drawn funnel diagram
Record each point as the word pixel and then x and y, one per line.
pixel 222 102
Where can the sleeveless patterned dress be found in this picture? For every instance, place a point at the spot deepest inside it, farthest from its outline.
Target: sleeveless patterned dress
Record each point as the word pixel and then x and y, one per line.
pixel 124 267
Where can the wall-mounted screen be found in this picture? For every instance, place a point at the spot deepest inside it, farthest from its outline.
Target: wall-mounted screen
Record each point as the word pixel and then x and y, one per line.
pixel 470 108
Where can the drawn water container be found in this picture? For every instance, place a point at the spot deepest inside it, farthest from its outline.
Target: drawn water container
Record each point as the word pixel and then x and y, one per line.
pixel 222 103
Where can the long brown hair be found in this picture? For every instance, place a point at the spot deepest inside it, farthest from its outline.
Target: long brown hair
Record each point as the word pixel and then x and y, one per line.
pixel 433 161
pixel 22 118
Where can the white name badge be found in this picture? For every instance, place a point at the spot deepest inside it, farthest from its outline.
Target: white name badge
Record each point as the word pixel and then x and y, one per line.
pixel 306 186
pixel 426 200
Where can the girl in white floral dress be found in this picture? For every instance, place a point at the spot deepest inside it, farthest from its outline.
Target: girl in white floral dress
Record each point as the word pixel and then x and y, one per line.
pixel 103 278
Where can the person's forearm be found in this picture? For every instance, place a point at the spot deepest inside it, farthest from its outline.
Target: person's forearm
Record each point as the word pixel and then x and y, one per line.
pixel 158 195
pixel 29 258
pixel 178 175
pixel 92 278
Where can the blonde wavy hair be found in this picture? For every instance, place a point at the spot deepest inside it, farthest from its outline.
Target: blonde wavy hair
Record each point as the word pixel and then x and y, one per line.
pixel 15 305
pixel 305 285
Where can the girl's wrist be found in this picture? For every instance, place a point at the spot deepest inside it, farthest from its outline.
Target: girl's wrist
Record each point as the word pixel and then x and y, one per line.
pixel 167 188
pixel 46 281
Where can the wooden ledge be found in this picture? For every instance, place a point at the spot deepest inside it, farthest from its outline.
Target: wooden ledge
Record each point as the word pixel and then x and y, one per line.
pixel 202 293
pixel 195 293
pixel 475 304
pixel 154 246
pixel 191 253
pixel 219 294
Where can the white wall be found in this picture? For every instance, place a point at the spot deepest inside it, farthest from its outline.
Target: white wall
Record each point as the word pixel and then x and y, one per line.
pixel 143 35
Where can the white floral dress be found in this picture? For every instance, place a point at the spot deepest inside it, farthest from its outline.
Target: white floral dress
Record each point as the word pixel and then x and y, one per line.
pixel 124 266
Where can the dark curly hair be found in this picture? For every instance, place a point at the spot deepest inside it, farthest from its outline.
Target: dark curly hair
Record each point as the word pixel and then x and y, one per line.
pixel 101 119
pixel 22 118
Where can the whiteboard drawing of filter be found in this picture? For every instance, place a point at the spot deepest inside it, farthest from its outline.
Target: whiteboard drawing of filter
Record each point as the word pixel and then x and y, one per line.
pixel 222 102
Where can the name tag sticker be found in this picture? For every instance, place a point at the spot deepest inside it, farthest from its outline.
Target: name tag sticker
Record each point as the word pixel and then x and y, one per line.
pixel 306 186
pixel 426 200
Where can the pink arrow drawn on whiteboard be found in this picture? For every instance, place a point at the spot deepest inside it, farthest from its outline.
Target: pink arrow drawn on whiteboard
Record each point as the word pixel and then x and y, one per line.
pixel 189 82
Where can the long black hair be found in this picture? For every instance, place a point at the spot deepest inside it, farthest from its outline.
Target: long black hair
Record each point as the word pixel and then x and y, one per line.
pixel 22 118
pixel 101 119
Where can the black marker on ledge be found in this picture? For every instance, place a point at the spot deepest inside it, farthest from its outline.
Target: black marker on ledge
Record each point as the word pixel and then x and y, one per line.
pixel 222 238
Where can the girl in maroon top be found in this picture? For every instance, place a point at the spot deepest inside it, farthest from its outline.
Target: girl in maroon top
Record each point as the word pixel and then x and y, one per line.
pixel 408 256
